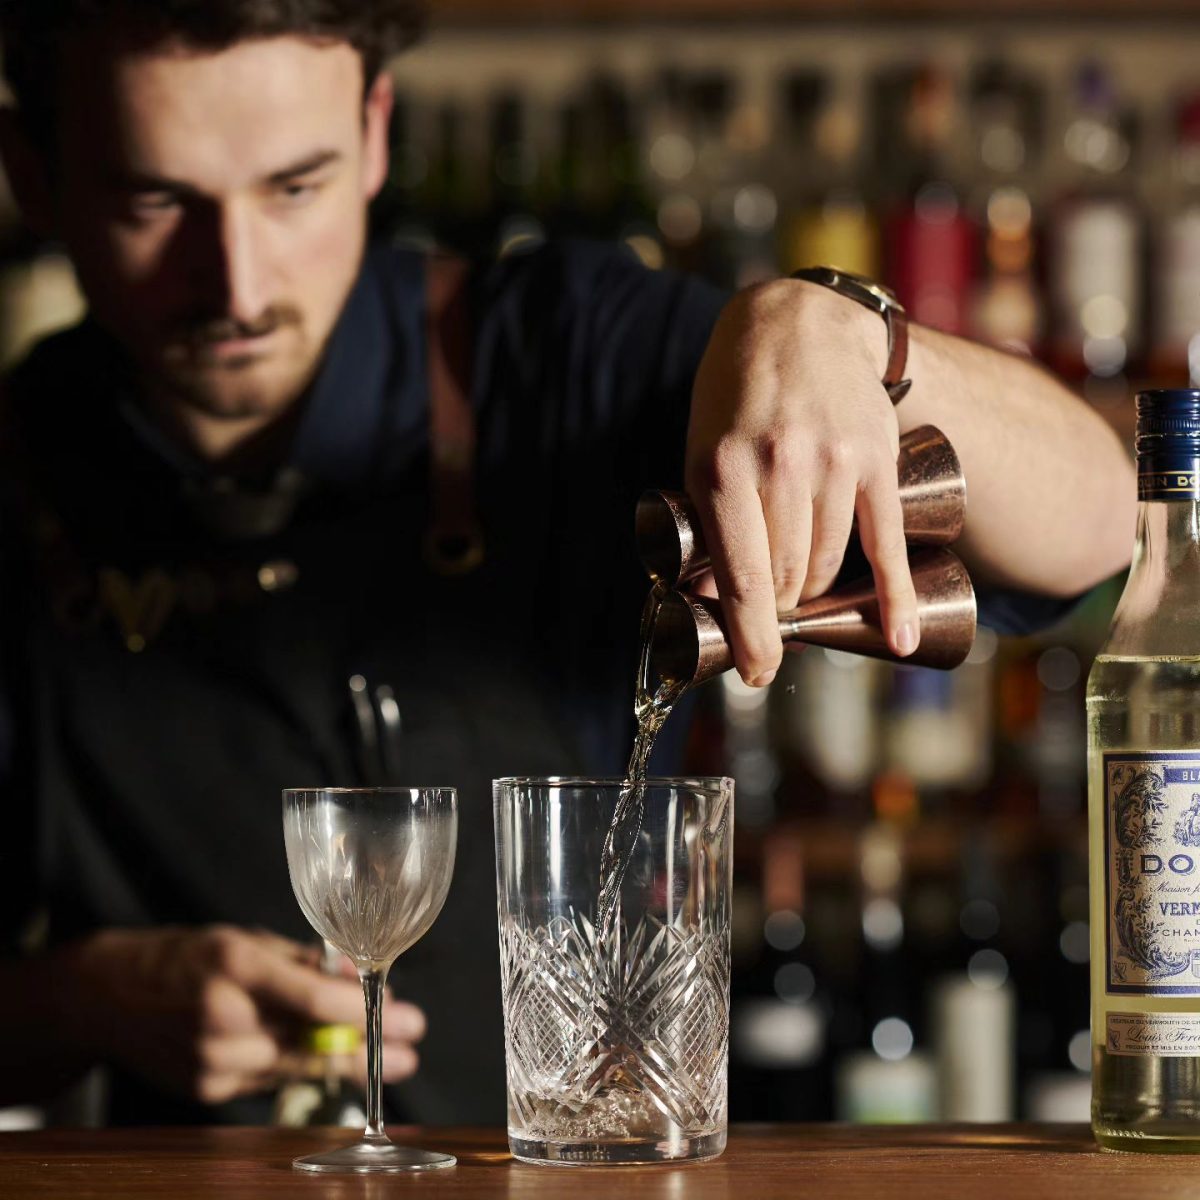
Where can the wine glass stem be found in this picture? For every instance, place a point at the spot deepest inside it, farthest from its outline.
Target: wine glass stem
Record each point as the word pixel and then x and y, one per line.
pixel 372 982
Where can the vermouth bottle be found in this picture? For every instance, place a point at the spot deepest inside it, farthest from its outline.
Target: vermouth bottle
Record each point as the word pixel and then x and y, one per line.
pixel 1143 705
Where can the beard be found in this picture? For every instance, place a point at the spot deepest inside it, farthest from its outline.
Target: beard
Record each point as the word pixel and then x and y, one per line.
pixel 257 383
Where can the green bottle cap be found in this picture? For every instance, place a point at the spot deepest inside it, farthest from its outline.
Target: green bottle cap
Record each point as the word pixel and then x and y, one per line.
pixel 333 1039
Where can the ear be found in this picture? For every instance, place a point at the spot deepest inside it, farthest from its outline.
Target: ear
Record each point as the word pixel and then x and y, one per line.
pixel 377 117
pixel 28 173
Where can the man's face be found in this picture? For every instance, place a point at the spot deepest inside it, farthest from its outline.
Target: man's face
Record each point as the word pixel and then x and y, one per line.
pixel 215 206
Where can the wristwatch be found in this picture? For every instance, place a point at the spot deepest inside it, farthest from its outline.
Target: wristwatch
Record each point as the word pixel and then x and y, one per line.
pixel 879 299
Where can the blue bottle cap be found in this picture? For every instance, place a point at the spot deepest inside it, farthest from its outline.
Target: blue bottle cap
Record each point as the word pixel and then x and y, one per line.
pixel 1168 444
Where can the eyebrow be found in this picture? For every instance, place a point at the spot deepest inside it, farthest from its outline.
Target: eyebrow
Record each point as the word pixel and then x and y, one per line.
pixel 145 181
pixel 306 166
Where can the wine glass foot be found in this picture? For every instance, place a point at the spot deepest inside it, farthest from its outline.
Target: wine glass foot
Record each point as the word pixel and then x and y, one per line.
pixel 366 1156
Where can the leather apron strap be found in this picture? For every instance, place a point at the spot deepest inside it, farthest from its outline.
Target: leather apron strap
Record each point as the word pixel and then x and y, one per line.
pixel 454 540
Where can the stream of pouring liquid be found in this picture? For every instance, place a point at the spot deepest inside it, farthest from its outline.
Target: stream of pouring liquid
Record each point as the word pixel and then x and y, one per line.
pixel 651 710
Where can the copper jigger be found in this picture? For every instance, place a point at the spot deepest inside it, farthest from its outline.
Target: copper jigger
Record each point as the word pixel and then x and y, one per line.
pixel 690 644
pixel 933 497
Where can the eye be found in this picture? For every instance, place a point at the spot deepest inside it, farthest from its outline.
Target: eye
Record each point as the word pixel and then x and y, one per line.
pixel 148 204
pixel 298 191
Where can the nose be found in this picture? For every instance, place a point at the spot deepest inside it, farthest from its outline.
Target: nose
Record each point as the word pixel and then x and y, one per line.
pixel 227 259
pixel 243 261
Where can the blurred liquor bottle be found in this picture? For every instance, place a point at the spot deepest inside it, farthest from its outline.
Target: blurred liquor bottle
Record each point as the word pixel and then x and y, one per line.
pixel 826 727
pixel 710 102
pixel 450 197
pixel 749 752
pixel 1065 952
pixel 745 207
pixel 1006 111
pixel 399 214
pixel 671 169
pixel 938 729
pixel 890 989
pixel 1096 251
pixel 780 1067
pixel 827 221
pixel 596 183
pixel 1059 744
pixel 1175 358
pixel 1038 731
pixel 566 209
pixel 631 206
pixel 974 1033
pixel 513 221
pixel 886 1078
pixel 1017 699
pixel 1048 939
pixel 316 1093
pixel 970 996
pixel 931 239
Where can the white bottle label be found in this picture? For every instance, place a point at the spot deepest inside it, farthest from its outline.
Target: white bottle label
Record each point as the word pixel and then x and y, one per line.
pixel 1165 1035
pixel 1098 277
pixel 1179 281
pixel 1152 851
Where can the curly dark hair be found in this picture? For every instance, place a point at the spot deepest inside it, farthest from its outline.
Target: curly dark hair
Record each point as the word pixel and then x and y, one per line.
pixel 32 30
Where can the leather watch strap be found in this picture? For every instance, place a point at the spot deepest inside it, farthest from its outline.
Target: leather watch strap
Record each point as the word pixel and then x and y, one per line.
pixel 879 299
pixel 894 382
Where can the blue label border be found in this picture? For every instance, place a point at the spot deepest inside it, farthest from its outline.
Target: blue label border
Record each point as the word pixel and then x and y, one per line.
pixel 1168 475
pixel 1121 756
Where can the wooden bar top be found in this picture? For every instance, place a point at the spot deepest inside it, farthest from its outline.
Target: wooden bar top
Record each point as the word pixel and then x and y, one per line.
pixel 762 1162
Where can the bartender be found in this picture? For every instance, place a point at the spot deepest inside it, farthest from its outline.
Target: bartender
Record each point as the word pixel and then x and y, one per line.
pixel 289 510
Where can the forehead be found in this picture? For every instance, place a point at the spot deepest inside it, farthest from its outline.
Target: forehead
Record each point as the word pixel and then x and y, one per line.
pixel 216 118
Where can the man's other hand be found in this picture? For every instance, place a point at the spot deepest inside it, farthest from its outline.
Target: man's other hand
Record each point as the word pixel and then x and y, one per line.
pixel 217 1012
pixel 791 437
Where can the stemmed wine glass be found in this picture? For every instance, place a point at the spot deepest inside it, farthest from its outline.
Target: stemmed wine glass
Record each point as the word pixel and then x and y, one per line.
pixel 371 868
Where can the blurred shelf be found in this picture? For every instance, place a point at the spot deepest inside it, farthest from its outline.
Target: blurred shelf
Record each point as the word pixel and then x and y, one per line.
pixel 568 11
pixel 831 849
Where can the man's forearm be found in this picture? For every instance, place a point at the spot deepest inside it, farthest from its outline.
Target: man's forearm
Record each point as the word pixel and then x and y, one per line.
pixel 1050 490
pixel 791 439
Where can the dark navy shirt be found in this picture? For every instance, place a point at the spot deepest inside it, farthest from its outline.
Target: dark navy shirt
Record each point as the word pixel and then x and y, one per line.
pixel 167 668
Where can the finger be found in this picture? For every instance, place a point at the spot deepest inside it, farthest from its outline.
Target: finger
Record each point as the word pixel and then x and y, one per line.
pixel 881 529
pixel 321 999
pixel 832 521
pixel 310 955
pixel 226 1009
pixel 732 517
pixel 249 1055
pixel 220 1089
pixel 788 512
pixel 403 1022
pixel 276 980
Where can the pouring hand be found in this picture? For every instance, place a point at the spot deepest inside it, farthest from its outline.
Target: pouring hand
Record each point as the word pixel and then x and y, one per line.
pixel 791 436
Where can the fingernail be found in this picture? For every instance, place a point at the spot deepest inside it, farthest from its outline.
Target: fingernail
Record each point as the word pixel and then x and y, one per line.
pixel 763 679
pixel 906 639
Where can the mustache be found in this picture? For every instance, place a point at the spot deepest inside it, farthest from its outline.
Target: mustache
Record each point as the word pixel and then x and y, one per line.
pixel 206 330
